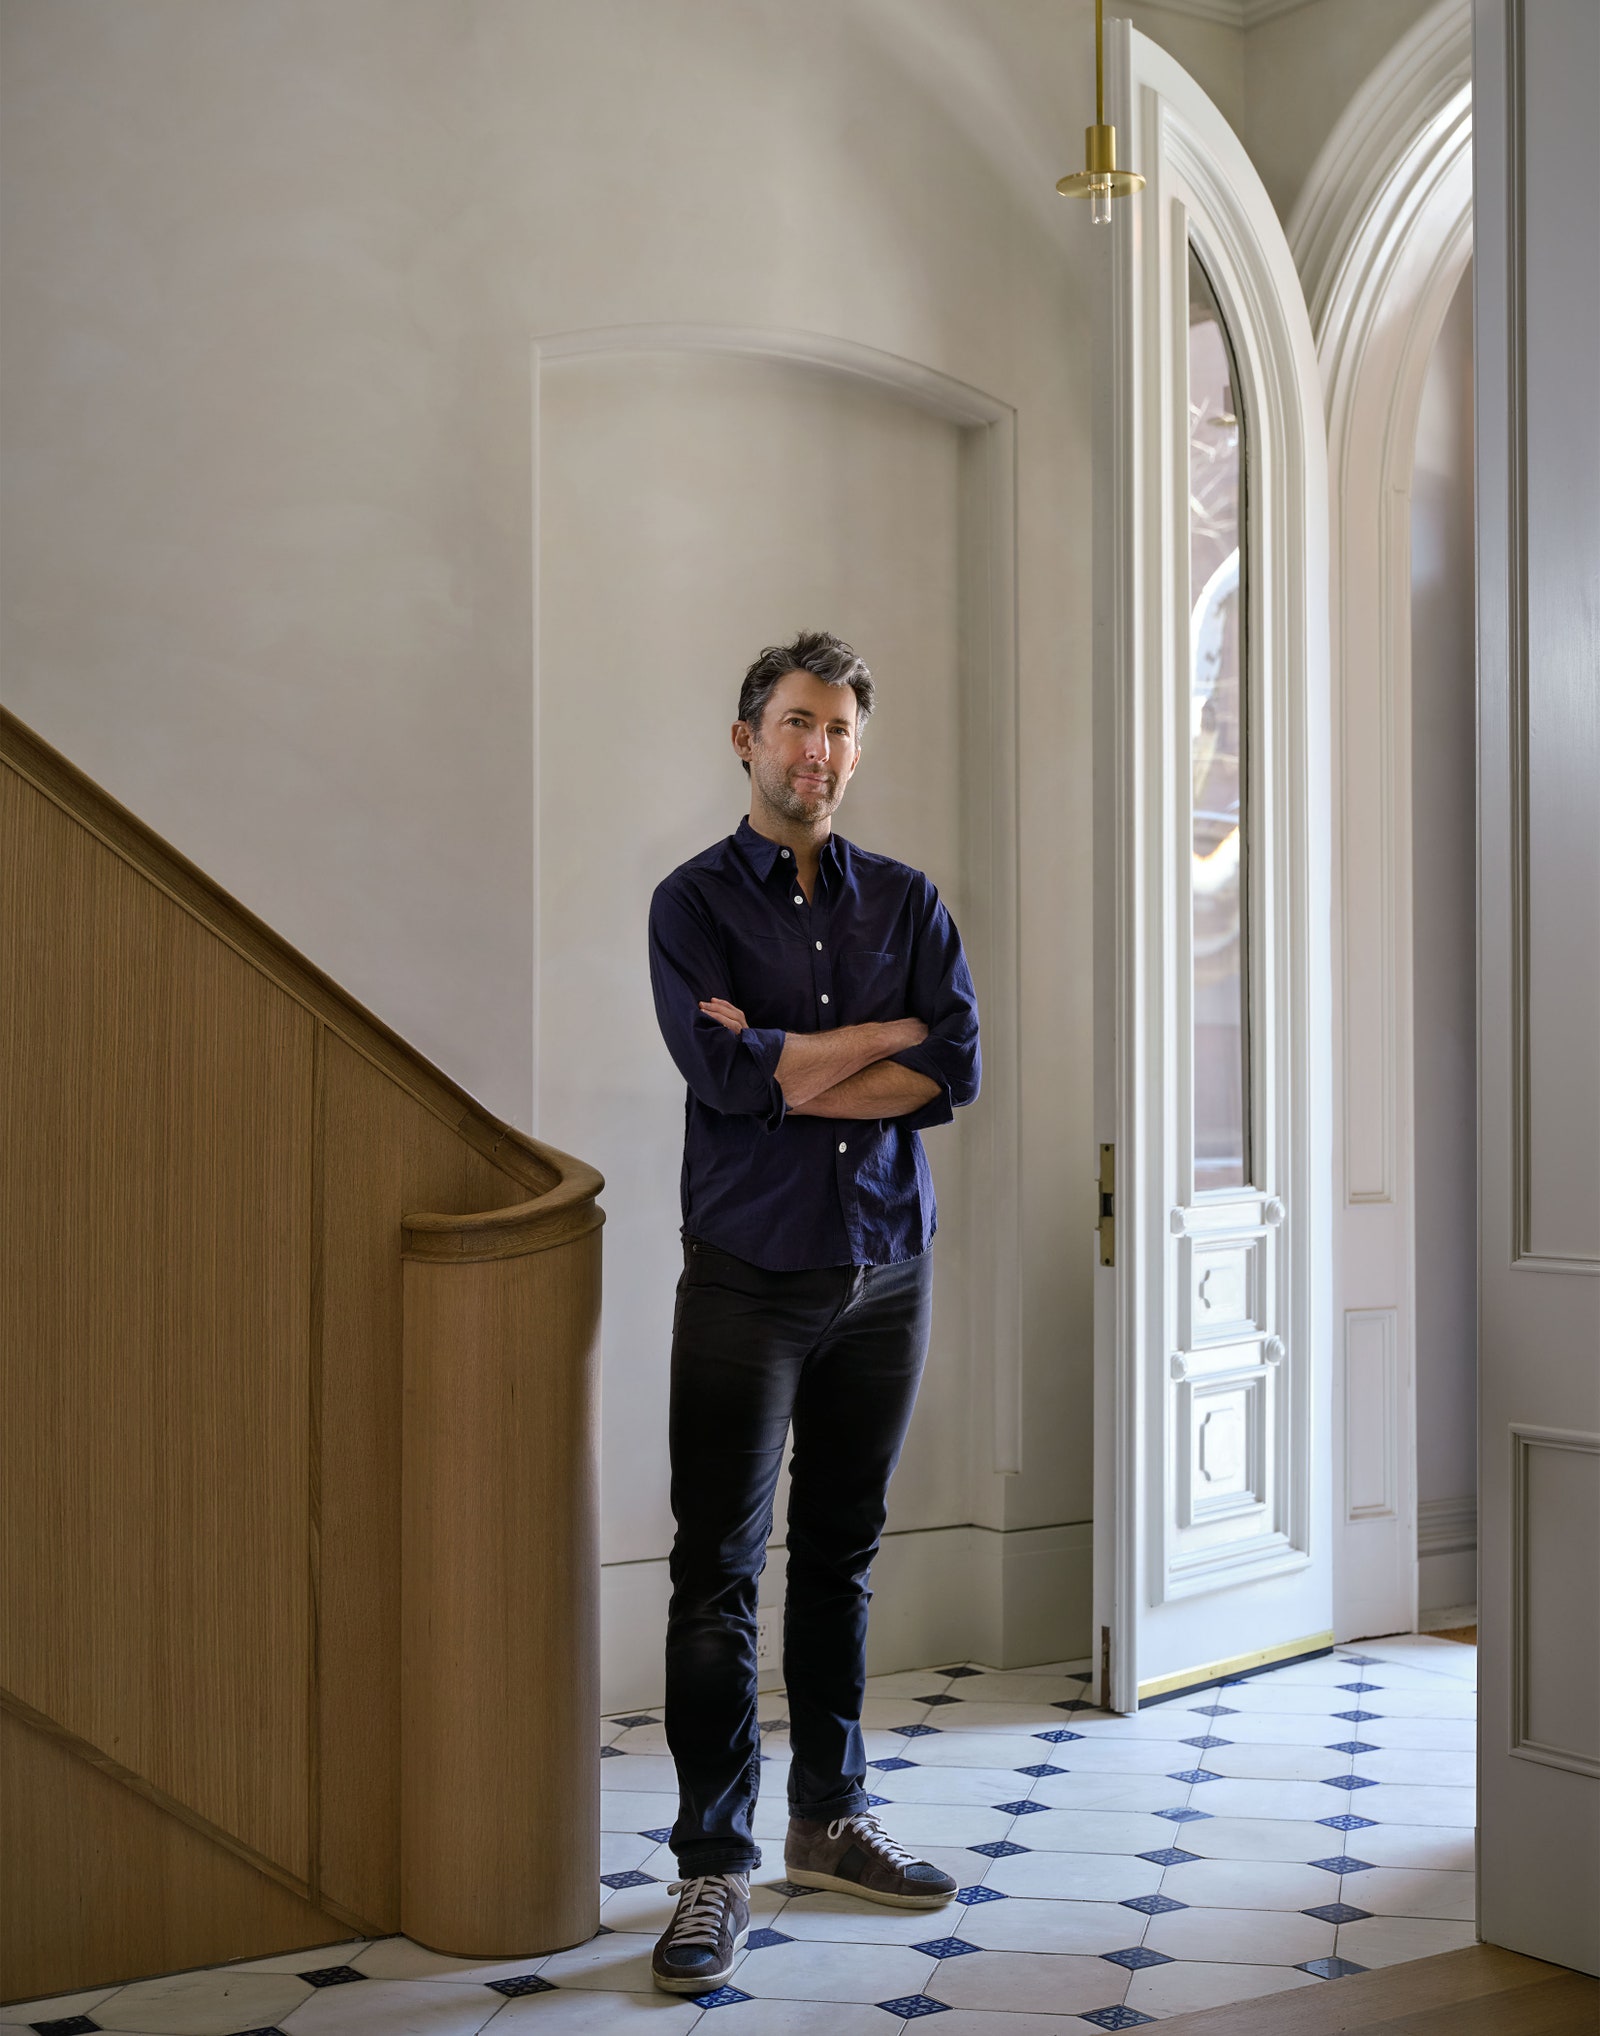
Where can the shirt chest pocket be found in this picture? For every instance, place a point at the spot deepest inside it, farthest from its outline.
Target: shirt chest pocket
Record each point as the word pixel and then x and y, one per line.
pixel 872 984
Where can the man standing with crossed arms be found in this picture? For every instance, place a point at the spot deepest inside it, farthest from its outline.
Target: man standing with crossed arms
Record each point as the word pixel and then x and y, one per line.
pixel 817 1002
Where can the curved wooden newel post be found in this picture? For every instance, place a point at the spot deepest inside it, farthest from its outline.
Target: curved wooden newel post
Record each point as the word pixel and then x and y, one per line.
pixel 500 1823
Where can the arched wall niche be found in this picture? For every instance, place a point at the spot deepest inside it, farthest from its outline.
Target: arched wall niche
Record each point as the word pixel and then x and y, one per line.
pixel 1381 235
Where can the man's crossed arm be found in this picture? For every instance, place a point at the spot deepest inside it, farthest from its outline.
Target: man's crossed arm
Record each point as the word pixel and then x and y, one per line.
pixel 846 1072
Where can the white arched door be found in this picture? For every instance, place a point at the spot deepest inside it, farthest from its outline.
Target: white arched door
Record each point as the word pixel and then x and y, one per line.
pixel 1212 1079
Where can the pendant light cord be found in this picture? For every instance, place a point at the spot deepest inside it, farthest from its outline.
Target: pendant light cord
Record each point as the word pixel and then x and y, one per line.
pixel 1099 71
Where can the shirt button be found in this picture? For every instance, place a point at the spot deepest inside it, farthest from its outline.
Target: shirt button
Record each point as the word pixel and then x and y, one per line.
pixel 798 899
pixel 784 853
pixel 819 947
pixel 824 996
pixel 842 1146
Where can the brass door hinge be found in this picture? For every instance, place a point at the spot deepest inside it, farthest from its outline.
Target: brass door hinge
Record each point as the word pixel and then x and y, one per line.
pixel 1108 1205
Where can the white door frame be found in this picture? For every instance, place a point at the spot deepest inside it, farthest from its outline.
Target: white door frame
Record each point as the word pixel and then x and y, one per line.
pixel 1381 236
pixel 1174 1608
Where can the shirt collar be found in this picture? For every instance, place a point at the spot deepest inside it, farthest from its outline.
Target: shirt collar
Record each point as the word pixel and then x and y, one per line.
pixel 762 854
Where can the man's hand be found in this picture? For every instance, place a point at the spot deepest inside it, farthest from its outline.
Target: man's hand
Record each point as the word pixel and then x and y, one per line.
pixel 725 1013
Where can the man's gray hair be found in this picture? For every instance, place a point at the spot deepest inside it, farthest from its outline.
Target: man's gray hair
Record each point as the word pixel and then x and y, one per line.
pixel 825 656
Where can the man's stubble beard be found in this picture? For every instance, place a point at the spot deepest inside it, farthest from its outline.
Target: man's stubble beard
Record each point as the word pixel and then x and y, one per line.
pixel 781 796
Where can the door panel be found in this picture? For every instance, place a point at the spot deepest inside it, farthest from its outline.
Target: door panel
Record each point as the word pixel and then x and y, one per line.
pixel 1211 1075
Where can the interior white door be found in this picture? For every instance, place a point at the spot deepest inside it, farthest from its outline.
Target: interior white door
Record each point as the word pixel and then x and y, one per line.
pixel 1212 924
pixel 1537 150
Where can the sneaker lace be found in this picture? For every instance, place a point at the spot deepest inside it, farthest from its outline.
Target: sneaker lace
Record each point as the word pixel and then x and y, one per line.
pixel 866 1827
pixel 704 1905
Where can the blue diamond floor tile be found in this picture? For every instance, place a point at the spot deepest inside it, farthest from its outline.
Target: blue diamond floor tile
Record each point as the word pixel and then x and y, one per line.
pixel 1359 1660
pixel 66 2025
pixel 1136 1957
pixel 1348 1821
pixel 970 1897
pixel 1183 1816
pixel 1359 1689
pixel 1041 1768
pixel 272 2030
pixel 892 1765
pixel 763 1940
pixel 877 1802
pixel 946 1947
pixel 632 1879
pixel 1331 1968
pixel 940 1699
pixel 1058 1737
pixel 792 1888
pixel 1338 1912
pixel 1206 1741
pixel 914 1731
pixel 1352 1746
pixel 1118 2017
pixel 519 1984
pixel 1357 1717
pixel 1153 1905
pixel 638 1718
pixel 1348 1781
pixel 1021 1807
pixel 338 1975
pixel 1342 1862
pixel 724 1997
pixel 911 2006
pixel 1072 1704
pixel 1215 1710
pixel 1170 1855
pixel 963 1671
pixel 611 1753
pixel 999 1848
pixel 1194 1774
pixel 660 1834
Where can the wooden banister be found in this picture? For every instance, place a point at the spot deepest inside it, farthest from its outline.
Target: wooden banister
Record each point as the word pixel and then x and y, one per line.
pixel 300 1365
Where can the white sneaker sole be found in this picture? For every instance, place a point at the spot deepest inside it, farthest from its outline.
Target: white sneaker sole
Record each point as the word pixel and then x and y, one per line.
pixel 708 1982
pixel 837 1884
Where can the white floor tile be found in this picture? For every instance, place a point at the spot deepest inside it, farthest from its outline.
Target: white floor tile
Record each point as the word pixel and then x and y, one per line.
pixel 1399 1803
pixel 54 2008
pixel 619 1963
pixel 1240 1936
pixel 1126 1756
pixel 1443 1735
pixel 1441 1697
pixel 1305 1801
pixel 881 1713
pixel 1244 1762
pixel 649 1910
pixel 1017 1686
pixel 653 1771
pixel 1390 1940
pixel 845 1919
pixel 989 1715
pixel 1138 1792
pixel 1413 1891
pixel 399 1958
pixel 626 1851
pixel 818 1971
pixel 983 1786
pixel 1278 1728
pixel 1022 1925
pixel 343 1953
pixel 638 1739
pixel 947 1824
pixel 1262 1838
pixel 1098 1830
pixel 1448 1847
pixel 1250 1884
pixel 1074 1876
pixel 1029 1982
pixel 799 2018
pixel 974 1749
pixel 416 2007
pixel 997 2022
pixel 1163 1721
pixel 209 2003
pixel 1182 1988
pixel 910 1682
pixel 635 1809
pixel 598 2014
pixel 1430 1767
pixel 1290 1700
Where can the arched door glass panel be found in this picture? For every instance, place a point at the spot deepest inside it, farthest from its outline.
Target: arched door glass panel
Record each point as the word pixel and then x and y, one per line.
pixel 1218 749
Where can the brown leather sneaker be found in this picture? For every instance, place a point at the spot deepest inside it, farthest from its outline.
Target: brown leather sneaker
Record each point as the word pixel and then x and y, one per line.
pixel 856 1856
pixel 696 1951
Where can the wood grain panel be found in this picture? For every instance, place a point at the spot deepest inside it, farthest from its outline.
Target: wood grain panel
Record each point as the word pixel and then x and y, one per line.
pixel 500 1646
pixel 383 1154
pixel 157 1178
pixel 115 1888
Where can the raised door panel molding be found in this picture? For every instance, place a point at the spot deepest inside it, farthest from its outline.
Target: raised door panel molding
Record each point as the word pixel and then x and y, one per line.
pixel 1372 1451
pixel 1555 1632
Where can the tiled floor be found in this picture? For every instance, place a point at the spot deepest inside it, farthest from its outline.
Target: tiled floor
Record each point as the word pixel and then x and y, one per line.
pixel 1308 1822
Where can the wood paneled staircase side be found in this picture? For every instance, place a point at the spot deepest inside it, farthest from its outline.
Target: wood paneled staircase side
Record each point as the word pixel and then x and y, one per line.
pixel 299 1352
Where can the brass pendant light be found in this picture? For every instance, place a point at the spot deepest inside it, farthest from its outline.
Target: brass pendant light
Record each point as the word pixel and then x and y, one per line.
pixel 1101 181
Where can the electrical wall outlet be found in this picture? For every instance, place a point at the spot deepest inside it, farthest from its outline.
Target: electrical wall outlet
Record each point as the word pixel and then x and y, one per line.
pixel 769 1644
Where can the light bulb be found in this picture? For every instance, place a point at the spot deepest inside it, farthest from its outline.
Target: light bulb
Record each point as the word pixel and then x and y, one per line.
pixel 1100 204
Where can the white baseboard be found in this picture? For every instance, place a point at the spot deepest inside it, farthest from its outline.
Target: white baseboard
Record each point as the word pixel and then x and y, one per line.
pixel 1447 1554
pixel 940 1594
pixel 1447 1526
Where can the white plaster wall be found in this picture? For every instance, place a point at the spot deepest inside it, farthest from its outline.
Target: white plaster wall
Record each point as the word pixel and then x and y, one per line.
pixel 273 271
pixel 1444 853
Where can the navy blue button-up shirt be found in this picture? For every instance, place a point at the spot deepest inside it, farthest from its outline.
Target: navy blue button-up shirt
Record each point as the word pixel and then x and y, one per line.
pixel 792 1192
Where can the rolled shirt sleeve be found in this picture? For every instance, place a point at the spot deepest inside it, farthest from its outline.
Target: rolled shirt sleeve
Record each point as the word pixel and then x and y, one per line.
pixel 943 997
pixel 734 1073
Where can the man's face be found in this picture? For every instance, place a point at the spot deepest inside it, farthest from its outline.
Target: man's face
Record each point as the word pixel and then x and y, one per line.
pixel 804 750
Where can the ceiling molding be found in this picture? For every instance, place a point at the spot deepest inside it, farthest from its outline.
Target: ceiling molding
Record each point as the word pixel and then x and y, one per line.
pixel 1240 14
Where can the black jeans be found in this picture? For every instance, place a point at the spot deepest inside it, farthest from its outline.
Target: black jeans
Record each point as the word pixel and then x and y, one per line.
pixel 838 1352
